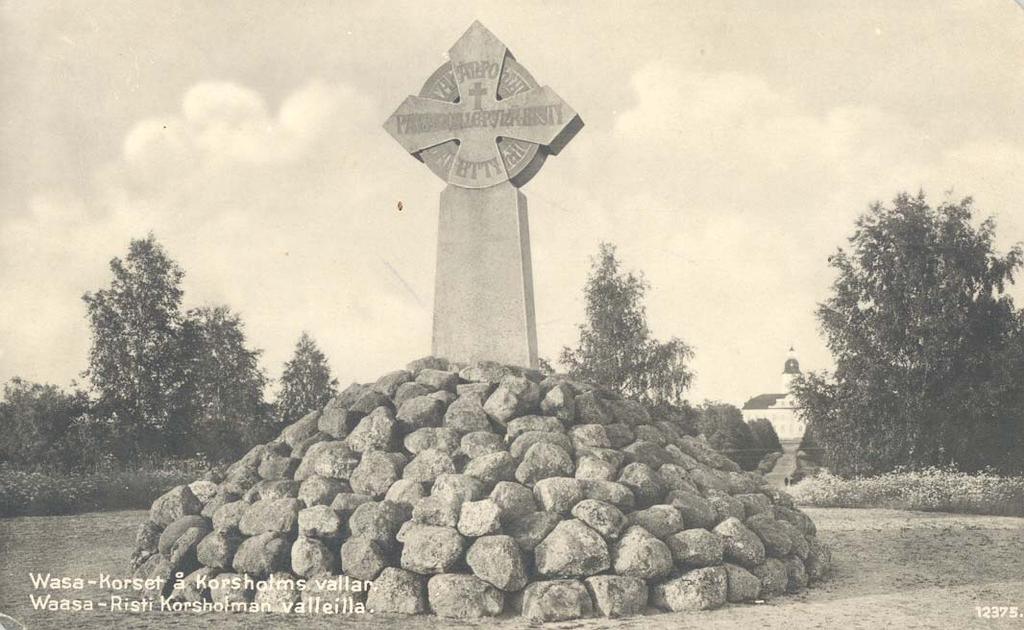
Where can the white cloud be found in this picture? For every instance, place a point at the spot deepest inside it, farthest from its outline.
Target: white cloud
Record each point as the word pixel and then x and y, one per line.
pixel 727 191
pixel 730 195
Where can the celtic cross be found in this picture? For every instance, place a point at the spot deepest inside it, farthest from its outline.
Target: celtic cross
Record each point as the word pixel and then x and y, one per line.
pixel 483 125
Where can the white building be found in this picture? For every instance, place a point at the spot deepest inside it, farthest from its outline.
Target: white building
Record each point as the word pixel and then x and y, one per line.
pixel 780 409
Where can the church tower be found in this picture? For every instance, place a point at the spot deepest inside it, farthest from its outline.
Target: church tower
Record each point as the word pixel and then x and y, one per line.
pixel 790 371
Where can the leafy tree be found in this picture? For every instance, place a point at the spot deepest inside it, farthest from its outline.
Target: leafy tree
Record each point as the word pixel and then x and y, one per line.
pixel 764 435
pixel 615 347
pixel 723 426
pixel 225 383
pixel 684 416
pixel 136 361
pixel 36 421
pixel 926 344
pixel 306 384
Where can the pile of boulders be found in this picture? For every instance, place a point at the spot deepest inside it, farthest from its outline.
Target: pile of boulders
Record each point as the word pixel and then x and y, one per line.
pixel 472 491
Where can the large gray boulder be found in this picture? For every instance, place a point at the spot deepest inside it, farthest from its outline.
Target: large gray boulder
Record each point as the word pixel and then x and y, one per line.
pixel 492 468
pixel 377 521
pixel 458 486
pixel 398 591
pixel 336 422
pixel 639 554
pixel 441 438
pixel 389 383
pixel 589 467
pixel 740 545
pixel 592 410
pixel 521 425
pixel 602 517
pixel 419 412
pixel 700 589
pixel 317 490
pixel 560 403
pixel 515 500
pixel 463 596
pixel 336 460
pixel 428 465
pixel 527 439
pixel 478 443
pixel 572 549
pixel 467 415
pixel 217 550
pixel 796 575
pixel 660 520
pixel 229 515
pixel 440 511
pixel 743 586
pixel 818 563
pixel 556 600
pixel 363 558
pixel 645 483
pixel 271 515
pixel 263 554
pixel 376 472
pixel 498 560
pixel 429 549
pixel 617 595
pixel 694 548
pixel 479 518
pixel 528 531
pixel 774 577
pixel 374 432
pixel 408 391
pixel 772 533
pixel 174 504
pixel 558 494
pixel 435 379
pixel 312 557
pixel 543 460
pixel 696 510
pixel 612 492
pixel 175 530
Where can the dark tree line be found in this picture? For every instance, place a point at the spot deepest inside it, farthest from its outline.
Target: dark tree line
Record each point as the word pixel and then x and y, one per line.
pixel 928 346
pixel 163 382
pixel 746 443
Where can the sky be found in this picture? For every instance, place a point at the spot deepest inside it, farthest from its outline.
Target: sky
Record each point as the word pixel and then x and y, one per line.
pixel 728 148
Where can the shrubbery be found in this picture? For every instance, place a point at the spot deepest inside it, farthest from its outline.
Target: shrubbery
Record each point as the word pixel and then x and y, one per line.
pixel 25 493
pixel 931 489
pixel 745 443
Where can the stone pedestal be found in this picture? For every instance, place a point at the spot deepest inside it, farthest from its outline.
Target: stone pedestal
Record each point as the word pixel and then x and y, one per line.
pixel 483 296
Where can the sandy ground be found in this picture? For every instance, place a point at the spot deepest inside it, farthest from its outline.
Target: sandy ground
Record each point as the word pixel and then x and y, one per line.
pixel 892 570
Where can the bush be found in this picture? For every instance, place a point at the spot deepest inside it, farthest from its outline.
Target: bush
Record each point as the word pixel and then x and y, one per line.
pixel 764 434
pixel 768 462
pixel 930 490
pixel 24 493
pixel 723 426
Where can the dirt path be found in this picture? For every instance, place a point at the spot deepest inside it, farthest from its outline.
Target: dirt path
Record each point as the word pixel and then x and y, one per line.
pixel 785 466
pixel 892 569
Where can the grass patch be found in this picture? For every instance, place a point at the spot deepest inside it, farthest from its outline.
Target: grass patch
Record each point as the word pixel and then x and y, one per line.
pixel 930 490
pixel 24 493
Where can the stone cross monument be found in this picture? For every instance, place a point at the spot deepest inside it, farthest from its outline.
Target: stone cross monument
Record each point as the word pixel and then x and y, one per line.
pixel 483 125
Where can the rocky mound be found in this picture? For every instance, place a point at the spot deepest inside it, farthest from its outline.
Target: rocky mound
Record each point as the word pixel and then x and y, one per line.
pixel 476 491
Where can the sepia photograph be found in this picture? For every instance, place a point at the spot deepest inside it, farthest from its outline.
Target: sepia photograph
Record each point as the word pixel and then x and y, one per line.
pixel 478 314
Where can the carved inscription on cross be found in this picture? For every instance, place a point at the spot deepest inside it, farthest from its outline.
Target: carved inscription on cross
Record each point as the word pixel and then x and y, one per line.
pixel 483 125
pixel 481 119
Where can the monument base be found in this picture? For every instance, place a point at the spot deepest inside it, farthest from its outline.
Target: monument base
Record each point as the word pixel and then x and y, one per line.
pixel 483 291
